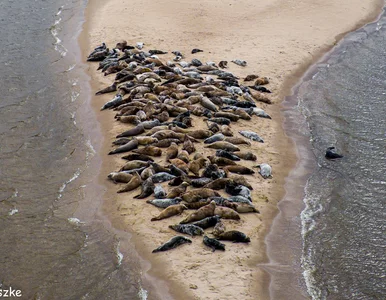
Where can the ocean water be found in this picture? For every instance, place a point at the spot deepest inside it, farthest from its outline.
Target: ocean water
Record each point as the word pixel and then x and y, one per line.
pixel 55 243
pixel 343 99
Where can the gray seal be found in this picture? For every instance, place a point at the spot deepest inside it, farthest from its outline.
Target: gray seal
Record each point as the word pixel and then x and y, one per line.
pixel 133 144
pixel 214 138
pixel 147 189
pixel 162 177
pixel 251 135
pixel 213 244
pixel 187 229
pixel 164 203
pixel 265 170
pixel 207 222
pixel 172 243
pixel 159 192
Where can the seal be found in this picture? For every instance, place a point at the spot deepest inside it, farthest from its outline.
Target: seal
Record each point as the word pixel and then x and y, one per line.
pixel 207 222
pixel 220 120
pixel 137 156
pixel 331 153
pixel 189 229
pixel 172 243
pixel 218 183
pixel 164 203
pixel 116 101
pixel 197 205
pixel 158 168
pixel 219 228
pixel 251 77
pixel 132 132
pixel 109 89
pixel 221 161
pixel 239 169
pixel 251 135
pixel 145 140
pixel 195 195
pixel 184 156
pixel 120 177
pixel 195 165
pixel 261 81
pixel 241 180
pixel 159 192
pixel 170 211
pixel 214 138
pixel 246 155
pixel 212 171
pixel 240 62
pixel 226 154
pixel 242 208
pixel 195 50
pixel 234 189
pixel 213 244
pixel 205 102
pixel 133 144
pixel 200 134
pixel 226 213
pixel 135 164
pixel 234 236
pixel 201 213
pixel 226 130
pixel 178 191
pixel 227 115
pixel 188 145
pixel 240 199
pixel 200 182
pixel 162 177
pixel 146 173
pixel 237 141
pixel 149 150
pixel 223 64
pixel 129 119
pixel 134 182
pixel 166 143
pixel 265 170
pixel 147 189
pixel 224 146
pixel 171 151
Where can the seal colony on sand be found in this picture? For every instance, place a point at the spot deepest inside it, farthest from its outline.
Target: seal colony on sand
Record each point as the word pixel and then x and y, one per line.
pixel 159 102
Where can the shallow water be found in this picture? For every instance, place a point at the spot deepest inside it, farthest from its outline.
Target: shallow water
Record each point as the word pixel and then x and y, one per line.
pixel 343 224
pixel 55 243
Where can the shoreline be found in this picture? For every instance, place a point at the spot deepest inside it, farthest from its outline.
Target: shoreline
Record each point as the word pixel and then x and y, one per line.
pixel 268 214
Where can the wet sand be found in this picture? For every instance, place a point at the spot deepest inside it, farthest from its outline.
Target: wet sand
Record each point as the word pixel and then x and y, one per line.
pixel 278 40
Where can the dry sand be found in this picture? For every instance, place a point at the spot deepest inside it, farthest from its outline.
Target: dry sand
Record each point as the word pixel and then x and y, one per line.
pixel 278 39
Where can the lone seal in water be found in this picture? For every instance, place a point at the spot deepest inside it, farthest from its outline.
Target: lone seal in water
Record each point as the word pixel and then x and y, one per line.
pixel 172 243
pixel 331 154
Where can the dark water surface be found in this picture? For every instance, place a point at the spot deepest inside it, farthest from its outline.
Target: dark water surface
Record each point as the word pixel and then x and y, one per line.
pixel 54 242
pixel 344 222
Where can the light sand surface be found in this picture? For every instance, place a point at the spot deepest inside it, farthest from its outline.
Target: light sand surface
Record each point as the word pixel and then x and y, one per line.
pixel 278 39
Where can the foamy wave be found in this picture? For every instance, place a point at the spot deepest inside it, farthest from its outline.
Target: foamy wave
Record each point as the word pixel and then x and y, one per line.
pixel 312 209
pixel 75 221
pixel 74 96
pixel 55 32
pixel 90 146
pixel 13 211
pixel 142 293
pixel 70 68
pixel 64 185
pixel 59 11
pixel 118 254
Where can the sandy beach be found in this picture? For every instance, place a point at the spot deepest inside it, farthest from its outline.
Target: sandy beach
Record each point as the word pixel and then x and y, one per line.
pixel 279 40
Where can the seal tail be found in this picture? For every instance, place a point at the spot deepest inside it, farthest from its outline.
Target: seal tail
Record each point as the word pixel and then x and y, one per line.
pixel 155 219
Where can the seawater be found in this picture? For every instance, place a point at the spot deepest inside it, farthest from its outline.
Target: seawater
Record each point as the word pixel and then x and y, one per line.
pixel 344 221
pixel 55 244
